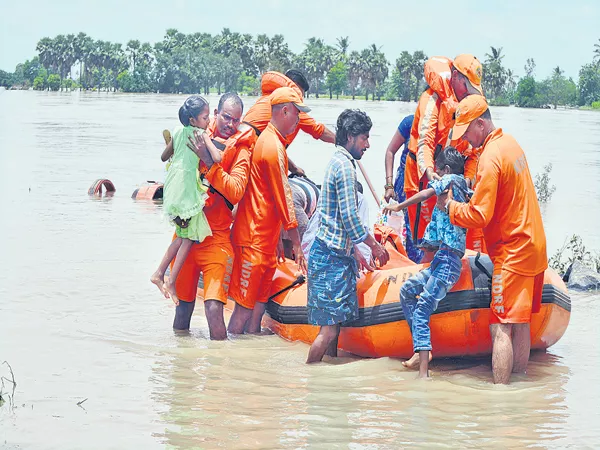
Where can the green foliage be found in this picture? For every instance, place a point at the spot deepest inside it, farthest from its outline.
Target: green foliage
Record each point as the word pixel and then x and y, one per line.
pixel 542 185
pixel 560 90
pixel 530 93
pixel 589 84
pixel 5 79
pixel 248 84
pixel 337 79
pixel 495 76
pixel 39 83
pixel 574 250
pixel 595 105
pixel 230 61
pixel 54 82
pixel 502 100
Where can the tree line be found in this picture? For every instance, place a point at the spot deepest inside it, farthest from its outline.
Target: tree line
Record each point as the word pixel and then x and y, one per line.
pixel 230 61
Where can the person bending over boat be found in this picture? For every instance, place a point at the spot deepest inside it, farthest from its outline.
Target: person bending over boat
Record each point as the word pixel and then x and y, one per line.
pixel 332 267
pixel 421 294
pixel 259 115
pixel 505 205
pixel 266 207
pixel 213 257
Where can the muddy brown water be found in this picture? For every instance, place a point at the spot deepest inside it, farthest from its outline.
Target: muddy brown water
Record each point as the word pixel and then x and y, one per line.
pixel 79 318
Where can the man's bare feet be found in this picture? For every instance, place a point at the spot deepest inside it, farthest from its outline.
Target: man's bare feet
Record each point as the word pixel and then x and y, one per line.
pixel 160 283
pixel 170 290
pixel 413 362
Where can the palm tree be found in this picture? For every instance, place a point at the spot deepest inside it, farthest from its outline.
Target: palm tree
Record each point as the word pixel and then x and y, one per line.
pixel 133 48
pixel 597 52
pixel 494 73
pixel 318 59
pixel 279 53
pixel 354 71
pixel 46 50
pixel 342 48
pixel 261 53
pixel 404 65
pixel 419 58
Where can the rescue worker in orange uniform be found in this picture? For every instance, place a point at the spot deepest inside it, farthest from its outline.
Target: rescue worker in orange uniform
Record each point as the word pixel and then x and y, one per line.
pixel 505 205
pixel 213 257
pixel 259 115
pixel 465 79
pixel 266 206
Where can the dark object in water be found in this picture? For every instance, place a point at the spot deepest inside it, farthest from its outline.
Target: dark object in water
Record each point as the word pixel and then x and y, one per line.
pixel 96 187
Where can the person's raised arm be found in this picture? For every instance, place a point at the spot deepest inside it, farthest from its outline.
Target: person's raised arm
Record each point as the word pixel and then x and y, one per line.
pixel 328 136
pixel 167 152
pixel 419 197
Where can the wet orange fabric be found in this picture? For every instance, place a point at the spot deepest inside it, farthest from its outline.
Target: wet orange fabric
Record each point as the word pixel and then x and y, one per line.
pixel 229 177
pixel 259 115
pixel 252 276
pixel 267 204
pixel 505 206
pixel 515 297
pixel 213 257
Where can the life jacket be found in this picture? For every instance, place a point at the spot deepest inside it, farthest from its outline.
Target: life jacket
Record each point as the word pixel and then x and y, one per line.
pixel 273 80
pixel 437 72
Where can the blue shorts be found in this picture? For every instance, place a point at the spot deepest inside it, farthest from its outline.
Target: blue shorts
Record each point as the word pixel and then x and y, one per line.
pixel 332 297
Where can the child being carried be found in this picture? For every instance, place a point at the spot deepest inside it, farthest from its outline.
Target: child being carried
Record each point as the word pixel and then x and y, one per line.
pixel 184 191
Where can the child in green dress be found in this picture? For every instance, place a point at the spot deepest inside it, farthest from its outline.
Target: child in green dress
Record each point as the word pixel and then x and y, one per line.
pixel 184 191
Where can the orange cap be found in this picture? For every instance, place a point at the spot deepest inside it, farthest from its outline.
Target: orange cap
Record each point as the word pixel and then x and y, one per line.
pixel 288 95
pixel 471 68
pixel 469 109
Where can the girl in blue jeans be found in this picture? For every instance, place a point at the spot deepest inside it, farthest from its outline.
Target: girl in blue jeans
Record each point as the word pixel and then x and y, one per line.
pixel 422 293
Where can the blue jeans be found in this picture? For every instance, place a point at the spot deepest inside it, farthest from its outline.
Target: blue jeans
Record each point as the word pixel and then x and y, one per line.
pixel 422 293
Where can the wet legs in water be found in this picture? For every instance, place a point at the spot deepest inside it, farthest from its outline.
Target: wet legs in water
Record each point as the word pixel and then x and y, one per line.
pixel 183 315
pixel 179 250
pixel 328 336
pixel 511 344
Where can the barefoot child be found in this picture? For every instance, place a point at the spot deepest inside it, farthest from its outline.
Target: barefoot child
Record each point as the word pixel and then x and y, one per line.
pixel 422 292
pixel 184 193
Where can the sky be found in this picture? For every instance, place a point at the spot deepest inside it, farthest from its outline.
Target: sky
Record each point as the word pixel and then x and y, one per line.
pixel 553 33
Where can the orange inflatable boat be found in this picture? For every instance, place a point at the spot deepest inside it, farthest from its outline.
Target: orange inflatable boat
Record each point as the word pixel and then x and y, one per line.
pixel 459 327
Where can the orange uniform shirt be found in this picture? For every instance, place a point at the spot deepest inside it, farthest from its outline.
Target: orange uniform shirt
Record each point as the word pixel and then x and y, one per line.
pixel 229 177
pixel 267 203
pixel 505 205
pixel 259 116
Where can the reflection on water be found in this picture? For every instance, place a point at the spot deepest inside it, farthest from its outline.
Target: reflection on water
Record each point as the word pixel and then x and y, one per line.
pixel 79 319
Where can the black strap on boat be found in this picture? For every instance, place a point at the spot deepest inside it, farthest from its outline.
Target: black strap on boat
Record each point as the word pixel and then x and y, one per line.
pixel 481 266
pixel 300 280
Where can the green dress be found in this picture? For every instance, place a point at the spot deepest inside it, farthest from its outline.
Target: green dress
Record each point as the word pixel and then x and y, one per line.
pixel 184 194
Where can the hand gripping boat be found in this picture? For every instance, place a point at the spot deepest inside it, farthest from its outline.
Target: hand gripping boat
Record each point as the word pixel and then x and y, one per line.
pixel 459 327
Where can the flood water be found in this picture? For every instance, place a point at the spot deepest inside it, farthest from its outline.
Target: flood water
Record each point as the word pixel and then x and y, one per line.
pixel 79 318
